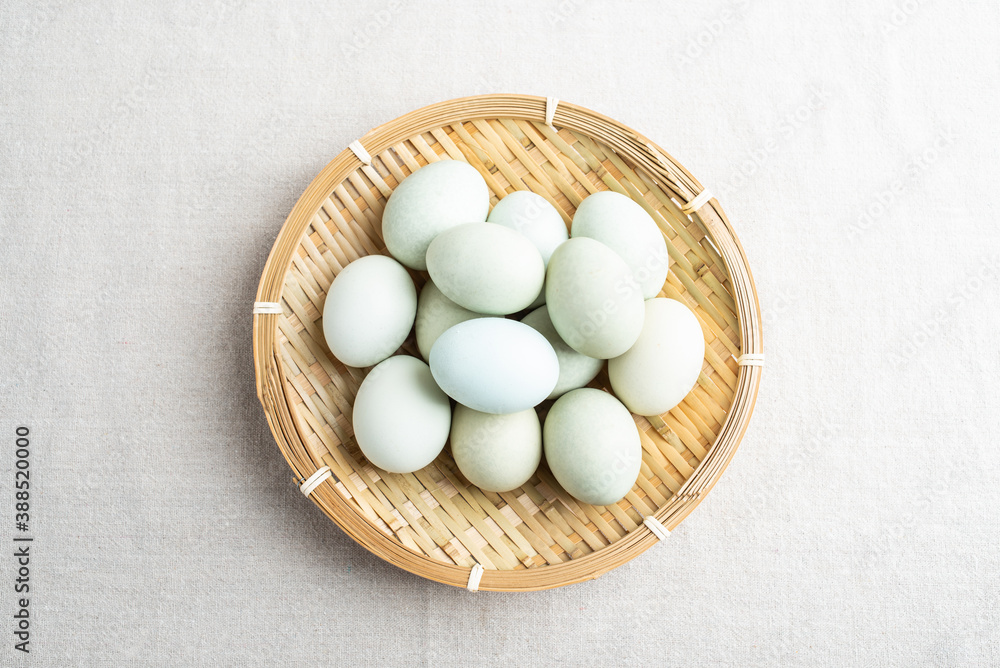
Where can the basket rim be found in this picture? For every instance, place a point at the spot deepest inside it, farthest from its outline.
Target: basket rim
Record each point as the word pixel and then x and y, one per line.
pixel 286 426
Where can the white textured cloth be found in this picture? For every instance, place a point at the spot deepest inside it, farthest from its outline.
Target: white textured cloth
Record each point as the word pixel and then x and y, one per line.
pixel 149 153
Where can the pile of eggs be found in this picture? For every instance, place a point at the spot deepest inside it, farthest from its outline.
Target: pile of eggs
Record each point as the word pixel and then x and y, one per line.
pixel 586 297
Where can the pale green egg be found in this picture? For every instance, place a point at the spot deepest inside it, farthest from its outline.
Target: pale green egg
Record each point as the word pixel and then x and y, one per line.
pixel 664 364
pixel 369 310
pixel 429 201
pixel 533 216
pixel 497 453
pixel 575 369
pixel 401 418
pixel 592 446
pixel 435 314
pixel 486 268
pixel 593 302
pixel 625 227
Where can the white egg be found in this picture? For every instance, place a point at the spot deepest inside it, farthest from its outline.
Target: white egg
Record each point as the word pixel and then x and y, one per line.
pixel 369 310
pixel 593 302
pixel 664 364
pixel 497 453
pixel 625 227
pixel 486 268
pixel 494 365
pixel 401 417
pixel 435 314
pixel 592 446
pixel 429 201
pixel 575 369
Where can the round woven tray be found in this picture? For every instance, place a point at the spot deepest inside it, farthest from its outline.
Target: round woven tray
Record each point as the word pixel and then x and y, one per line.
pixel 433 522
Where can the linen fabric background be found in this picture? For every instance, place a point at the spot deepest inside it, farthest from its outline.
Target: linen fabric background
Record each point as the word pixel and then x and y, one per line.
pixel 149 153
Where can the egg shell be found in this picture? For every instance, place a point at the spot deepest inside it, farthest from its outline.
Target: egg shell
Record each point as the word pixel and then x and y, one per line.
pixel 401 417
pixel 497 453
pixel 592 446
pixel 486 268
pixel 664 364
pixel 436 314
pixel 494 365
pixel 593 302
pixel 575 369
pixel 429 201
pixel 533 216
pixel 621 224
pixel 369 310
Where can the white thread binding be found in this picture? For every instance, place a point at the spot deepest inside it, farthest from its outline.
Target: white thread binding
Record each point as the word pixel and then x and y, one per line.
pixel 751 359
pixel 697 202
pixel 313 481
pixel 266 307
pixel 656 527
pixel 360 151
pixel 550 110
pixel 474 577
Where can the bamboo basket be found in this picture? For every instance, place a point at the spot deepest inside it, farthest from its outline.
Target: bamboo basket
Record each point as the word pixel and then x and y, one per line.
pixel 433 522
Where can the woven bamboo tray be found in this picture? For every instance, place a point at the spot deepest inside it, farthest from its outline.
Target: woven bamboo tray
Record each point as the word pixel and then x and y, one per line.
pixel 433 522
